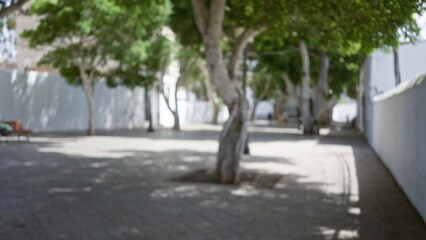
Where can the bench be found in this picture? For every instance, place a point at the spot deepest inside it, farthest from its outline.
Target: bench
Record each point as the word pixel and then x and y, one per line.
pixel 18 130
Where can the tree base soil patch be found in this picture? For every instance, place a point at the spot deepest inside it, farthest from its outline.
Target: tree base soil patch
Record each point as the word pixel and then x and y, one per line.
pixel 250 178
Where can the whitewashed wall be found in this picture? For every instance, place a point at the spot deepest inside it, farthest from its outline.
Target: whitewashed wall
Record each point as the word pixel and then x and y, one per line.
pixel 393 119
pixel 45 102
pixel 399 137
pixel 412 58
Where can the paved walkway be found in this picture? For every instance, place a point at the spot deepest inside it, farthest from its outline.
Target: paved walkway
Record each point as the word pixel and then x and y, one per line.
pixel 115 186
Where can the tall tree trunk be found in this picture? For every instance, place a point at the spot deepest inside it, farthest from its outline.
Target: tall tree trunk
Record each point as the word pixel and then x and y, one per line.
pixel 232 140
pixel 327 112
pixel 211 94
pixel 279 108
pixel 90 107
pixel 397 69
pixel 295 92
pixel 176 125
pixel 209 20
pixel 88 84
pixel 321 85
pixel 307 102
pixel 234 133
pixel 175 111
pixel 215 113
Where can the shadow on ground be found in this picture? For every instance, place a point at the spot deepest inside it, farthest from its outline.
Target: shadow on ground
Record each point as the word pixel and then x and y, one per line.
pixel 68 195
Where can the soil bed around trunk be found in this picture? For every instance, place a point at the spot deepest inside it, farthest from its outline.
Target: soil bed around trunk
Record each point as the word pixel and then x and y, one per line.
pixel 250 178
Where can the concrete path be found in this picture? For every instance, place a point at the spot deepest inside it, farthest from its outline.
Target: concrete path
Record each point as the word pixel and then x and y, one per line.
pixel 116 186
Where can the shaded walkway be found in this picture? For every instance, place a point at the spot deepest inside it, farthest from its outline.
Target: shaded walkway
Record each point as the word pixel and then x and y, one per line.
pixel 116 186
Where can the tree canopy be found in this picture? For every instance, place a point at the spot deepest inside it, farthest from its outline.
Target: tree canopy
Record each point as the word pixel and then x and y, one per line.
pixel 94 39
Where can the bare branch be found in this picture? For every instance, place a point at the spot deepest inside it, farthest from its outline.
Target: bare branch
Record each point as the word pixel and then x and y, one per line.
pixel 13 7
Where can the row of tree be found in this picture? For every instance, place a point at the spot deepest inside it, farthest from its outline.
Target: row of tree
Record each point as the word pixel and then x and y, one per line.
pixel 124 42
pixel 342 28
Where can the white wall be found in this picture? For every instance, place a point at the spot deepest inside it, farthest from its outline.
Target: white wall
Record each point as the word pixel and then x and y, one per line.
pixel 45 102
pixel 344 112
pixel 398 135
pixel 394 122
pixel 412 58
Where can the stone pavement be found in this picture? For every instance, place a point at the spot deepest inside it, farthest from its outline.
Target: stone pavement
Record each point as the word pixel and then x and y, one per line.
pixel 116 186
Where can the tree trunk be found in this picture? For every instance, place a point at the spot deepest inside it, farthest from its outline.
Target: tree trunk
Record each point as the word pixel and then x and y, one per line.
pixel 211 95
pixel 232 140
pixel 209 20
pixel 215 113
pixel 88 84
pixel 176 124
pixel 257 97
pixel 295 92
pixel 327 113
pixel 319 100
pixel 89 99
pixel 253 112
pixel 396 66
pixel 148 113
pixel 279 108
pixel 175 111
pixel 307 102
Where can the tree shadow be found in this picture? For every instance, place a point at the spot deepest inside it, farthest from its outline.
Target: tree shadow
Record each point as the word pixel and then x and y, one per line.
pixel 70 196
pixel 59 195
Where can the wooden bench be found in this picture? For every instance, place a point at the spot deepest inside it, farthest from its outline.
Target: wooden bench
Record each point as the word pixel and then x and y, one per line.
pixel 18 130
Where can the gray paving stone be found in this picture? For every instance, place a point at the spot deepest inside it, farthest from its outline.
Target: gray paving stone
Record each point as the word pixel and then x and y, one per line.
pixel 117 186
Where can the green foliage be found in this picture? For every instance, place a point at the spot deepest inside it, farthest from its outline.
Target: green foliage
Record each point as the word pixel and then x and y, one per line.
pixel 144 72
pixel 183 25
pixel 191 75
pixel 353 26
pixel 263 83
pixel 101 34
pixel 343 75
pixel 346 30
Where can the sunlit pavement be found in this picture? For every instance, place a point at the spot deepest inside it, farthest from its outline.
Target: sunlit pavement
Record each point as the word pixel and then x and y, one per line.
pixel 116 186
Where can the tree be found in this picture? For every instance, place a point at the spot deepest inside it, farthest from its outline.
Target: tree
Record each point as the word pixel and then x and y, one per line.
pixel 194 77
pixel 165 53
pixel 339 28
pixel 89 40
pixel 183 25
pixel 244 21
pixel 146 71
pixel 262 85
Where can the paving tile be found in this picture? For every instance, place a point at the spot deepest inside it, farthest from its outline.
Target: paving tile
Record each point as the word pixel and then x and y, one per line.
pixel 335 187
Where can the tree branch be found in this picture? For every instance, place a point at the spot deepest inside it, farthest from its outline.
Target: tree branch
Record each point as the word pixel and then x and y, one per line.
pixel 13 7
pixel 266 89
pixel 211 93
pixel 288 84
pixel 238 49
pixel 216 15
pixel 166 99
pixel 200 15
